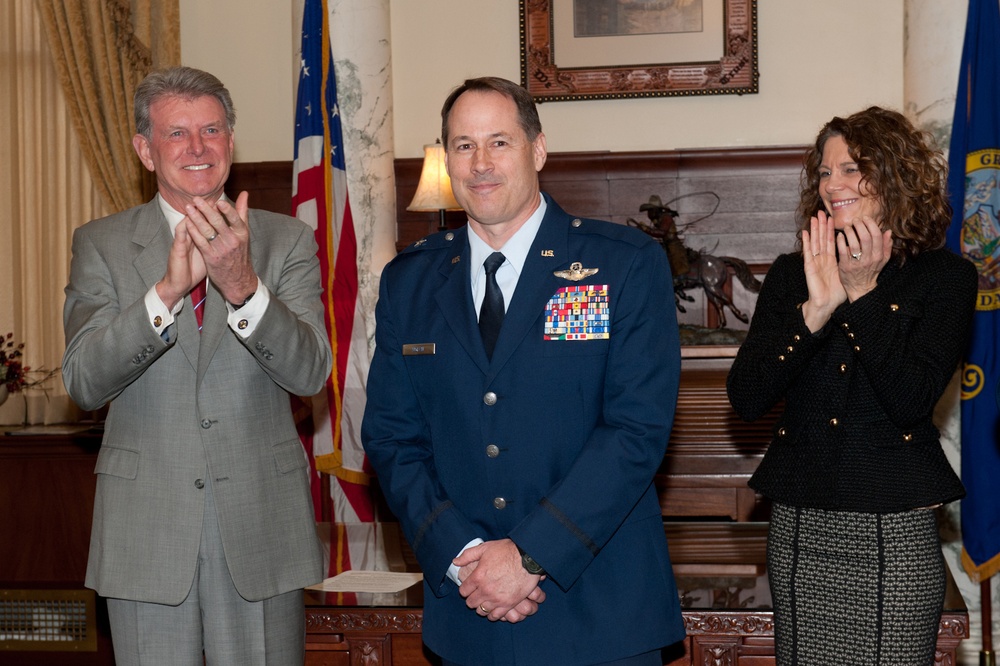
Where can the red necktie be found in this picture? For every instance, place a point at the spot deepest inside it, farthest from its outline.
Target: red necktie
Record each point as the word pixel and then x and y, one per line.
pixel 198 301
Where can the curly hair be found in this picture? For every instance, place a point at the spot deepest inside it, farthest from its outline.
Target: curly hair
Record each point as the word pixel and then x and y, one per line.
pixel 899 166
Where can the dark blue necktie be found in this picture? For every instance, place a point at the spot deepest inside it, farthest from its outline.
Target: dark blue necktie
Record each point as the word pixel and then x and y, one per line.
pixel 492 311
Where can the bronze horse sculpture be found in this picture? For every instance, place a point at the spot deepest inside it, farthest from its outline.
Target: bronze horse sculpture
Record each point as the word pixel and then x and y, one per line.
pixel 693 269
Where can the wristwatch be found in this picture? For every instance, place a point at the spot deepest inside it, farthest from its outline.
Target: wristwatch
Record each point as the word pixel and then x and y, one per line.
pixel 529 564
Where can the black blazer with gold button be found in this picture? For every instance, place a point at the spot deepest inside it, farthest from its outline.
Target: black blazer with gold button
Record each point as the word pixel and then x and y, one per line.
pixel 856 433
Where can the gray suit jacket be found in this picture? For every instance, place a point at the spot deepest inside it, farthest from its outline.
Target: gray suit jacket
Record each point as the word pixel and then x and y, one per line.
pixel 197 408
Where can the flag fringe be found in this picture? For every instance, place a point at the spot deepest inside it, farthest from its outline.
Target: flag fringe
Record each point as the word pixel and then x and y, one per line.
pixel 980 572
pixel 332 463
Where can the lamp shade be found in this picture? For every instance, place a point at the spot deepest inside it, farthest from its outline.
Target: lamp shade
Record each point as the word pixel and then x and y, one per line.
pixel 434 189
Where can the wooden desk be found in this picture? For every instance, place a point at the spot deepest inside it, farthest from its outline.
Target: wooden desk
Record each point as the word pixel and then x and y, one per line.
pixel 386 630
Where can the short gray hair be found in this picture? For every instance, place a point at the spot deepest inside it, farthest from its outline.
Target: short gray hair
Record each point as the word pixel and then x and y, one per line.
pixel 184 82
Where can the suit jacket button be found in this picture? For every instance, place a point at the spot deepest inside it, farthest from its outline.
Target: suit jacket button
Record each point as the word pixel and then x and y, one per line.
pixel 843 368
pixel 499 503
pixel 492 451
pixel 834 422
pixel 199 484
pixel 490 398
pixel 206 424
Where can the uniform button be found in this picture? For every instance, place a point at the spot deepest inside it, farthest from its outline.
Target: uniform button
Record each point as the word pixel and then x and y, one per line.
pixel 834 422
pixel 782 432
pixel 490 398
pixel 781 357
pixel 845 326
pixel 843 368
pixel 850 335
pixel 796 337
pixel 576 223
pixel 908 437
pixel 790 349
pixel 857 348
pixel 499 503
pixel 492 451
pixel 894 308
pixel 449 236
pixel 206 424
pixel 199 484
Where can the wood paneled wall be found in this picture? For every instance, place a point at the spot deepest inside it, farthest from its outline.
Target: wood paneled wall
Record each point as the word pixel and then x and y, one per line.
pixel 755 189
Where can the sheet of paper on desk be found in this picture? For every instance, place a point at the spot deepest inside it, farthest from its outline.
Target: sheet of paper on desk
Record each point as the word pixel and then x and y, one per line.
pixel 376 582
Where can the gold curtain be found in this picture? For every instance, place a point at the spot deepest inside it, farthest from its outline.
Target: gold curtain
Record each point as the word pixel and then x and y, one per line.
pixel 102 50
pixel 45 193
pixel 65 156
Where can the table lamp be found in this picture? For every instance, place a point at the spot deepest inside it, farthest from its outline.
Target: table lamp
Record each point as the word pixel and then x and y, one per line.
pixel 434 189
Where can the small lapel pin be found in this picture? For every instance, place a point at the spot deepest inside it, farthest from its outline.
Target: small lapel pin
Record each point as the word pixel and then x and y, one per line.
pixel 576 272
pixel 548 253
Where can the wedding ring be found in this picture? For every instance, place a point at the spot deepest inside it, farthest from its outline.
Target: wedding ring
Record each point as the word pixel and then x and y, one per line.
pixel 856 257
pixel 483 608
pixel 212 237
pixel 815 254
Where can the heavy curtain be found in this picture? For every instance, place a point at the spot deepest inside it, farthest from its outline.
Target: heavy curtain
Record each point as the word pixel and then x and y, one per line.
pixel 62 155
pixel 102 50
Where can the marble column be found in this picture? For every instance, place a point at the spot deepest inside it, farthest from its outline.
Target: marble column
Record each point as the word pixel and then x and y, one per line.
pixel 360 39
pixel 932 52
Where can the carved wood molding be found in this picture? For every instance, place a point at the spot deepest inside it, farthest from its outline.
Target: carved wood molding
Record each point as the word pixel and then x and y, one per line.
pixel 407 621
pixel 722 623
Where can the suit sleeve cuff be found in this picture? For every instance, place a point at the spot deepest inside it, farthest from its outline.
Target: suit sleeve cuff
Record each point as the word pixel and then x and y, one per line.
pixel 159 316
pixel 245 320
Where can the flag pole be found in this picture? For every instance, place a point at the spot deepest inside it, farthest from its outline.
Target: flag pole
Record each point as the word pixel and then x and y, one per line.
pixel 986 655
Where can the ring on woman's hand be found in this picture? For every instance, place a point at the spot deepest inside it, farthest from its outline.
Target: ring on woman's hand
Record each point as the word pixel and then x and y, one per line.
pixel 483 608
pixel 856 257
pixel 212 237
pixel 815 254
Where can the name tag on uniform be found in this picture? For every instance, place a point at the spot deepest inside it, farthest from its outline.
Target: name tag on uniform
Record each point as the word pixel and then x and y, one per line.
pixel 578 313
pixel 418 349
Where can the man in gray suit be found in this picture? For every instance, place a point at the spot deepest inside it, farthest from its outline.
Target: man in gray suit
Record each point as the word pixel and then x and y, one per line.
pixel 203 533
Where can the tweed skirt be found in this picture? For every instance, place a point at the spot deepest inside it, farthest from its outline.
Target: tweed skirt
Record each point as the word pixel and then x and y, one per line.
pixel 855 588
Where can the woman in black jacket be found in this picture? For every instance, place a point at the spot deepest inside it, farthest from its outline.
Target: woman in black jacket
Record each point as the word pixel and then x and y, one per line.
pixel 859 334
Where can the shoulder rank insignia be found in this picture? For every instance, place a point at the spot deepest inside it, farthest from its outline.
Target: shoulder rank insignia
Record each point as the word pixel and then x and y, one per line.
pixel 576 272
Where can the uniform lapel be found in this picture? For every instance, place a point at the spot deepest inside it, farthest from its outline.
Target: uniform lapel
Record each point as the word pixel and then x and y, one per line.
pixel 454 299
pixel 535 285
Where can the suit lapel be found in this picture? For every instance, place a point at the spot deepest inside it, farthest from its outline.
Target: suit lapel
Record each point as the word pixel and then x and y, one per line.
pixel 153 233
pixel 215 321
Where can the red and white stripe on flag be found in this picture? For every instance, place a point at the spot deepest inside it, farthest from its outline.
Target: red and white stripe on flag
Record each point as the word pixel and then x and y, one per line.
pixel 332 436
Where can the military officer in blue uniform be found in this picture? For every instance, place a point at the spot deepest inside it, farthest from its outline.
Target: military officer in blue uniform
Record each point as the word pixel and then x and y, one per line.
pixel 519 403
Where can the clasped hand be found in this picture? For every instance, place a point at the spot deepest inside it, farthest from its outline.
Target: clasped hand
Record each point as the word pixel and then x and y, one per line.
pixel 213 239
pixel 840 267
pixel 495 584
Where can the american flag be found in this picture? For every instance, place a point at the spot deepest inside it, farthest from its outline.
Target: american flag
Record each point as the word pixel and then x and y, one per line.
pixel 319 198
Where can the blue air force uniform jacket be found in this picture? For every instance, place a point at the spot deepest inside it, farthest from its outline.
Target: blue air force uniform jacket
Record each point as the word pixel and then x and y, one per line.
pixel 553 443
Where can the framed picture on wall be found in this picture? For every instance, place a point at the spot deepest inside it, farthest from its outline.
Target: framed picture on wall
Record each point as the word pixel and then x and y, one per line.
pixel 613 49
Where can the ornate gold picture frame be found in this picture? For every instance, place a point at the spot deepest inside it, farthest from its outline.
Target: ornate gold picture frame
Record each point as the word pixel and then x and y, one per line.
pixel 564 58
